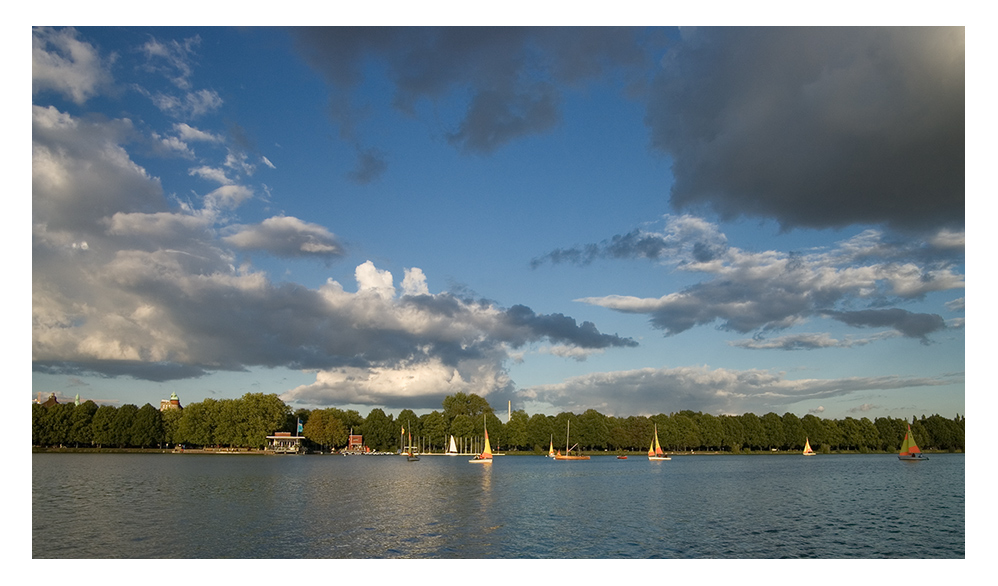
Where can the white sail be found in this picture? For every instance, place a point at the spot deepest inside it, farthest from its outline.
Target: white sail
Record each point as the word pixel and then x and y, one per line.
pixel 453 446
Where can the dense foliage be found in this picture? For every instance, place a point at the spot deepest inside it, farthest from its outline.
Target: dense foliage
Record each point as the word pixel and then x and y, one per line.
pixel 245 422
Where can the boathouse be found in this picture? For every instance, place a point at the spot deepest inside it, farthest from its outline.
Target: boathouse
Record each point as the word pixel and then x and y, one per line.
pixel 282 442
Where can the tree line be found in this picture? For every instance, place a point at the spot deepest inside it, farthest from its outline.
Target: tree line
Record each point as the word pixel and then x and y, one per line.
pixel 245 422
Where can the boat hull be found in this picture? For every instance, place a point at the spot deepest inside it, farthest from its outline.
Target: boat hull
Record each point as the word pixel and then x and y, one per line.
pixel 912 458
pixel 809 454
pixel 481 460
pixel 571 457
pixel 659 458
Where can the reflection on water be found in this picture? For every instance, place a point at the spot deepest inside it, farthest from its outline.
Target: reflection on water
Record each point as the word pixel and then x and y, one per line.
pixel 211 506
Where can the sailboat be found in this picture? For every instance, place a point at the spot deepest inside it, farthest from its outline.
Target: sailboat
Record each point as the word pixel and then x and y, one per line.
pixel 807 448
pixel 486 456
pixel 568 451
pixel 452 450
pixel 909 449
pixel 551 449
pixel 410 456
pixel 655 450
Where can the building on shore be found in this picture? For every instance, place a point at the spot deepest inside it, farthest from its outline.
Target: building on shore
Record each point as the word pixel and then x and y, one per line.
pixel 173 403
pixel 282 442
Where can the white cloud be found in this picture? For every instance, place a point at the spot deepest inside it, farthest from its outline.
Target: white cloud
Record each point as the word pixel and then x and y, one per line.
pixel 227 197
pixel 286 236
pixel 188 105
pixel 191 134
pixel 61 62
pixel 372 280
pixel 211 174
pixel 770 290
pixel 81 173
pixel 414 384
pixel 718 391
pixel 414 282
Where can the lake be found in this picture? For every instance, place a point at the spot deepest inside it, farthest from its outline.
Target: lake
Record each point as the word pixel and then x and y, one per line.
pixel 381 507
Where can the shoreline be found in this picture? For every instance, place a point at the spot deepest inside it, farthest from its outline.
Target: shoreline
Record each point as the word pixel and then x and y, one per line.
pixel 261 452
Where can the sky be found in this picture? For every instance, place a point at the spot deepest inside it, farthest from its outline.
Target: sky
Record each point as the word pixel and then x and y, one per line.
pixel 633 220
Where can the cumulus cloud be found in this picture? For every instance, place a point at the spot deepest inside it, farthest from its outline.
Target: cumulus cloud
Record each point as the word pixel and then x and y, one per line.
pixel 81 173
pixel 286 236
pixel 63 63
pixel 716 391
pixel 414 282
pixel 770 290
pixel 816 127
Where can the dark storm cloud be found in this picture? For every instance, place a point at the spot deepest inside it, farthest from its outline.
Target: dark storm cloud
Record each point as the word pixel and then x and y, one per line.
pixel 563 329
pixel 816 127
pixel 151 371
pixel 370 165
pixel 513 76
pixel 912 325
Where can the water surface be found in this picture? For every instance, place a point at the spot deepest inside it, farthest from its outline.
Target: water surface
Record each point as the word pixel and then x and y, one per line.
pixel 240 506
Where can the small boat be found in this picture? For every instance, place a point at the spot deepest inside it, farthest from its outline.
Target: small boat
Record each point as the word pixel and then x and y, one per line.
pixel 410 456
pixel 452 450
pixel 486 456
pixel 621 457
pixel 807 448
pixel 551 449
pixel 655 450
pixel 568 450
pixel 909 449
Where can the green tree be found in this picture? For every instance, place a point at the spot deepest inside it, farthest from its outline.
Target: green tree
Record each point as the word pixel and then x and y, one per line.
pixel 755 435
pixel 325 428
pixel 80 431
pixel 540 433
pixel 435 428
pixel 516 430
pixel 793 432
pixel 711 431
pixel 197 424
pixel 380 433
pixel 171 425
pixel 229 425
pixel 682 432
pixel 594 431
pixel 465 404
pixel 58 421
pixel 261 415
pixel 121 425
pixel 814 430
pixel 101 425
pixel 733 437
pixel 772 427
pixel 147 427
pixel 462 426
pixel 39 432
pixel 408 420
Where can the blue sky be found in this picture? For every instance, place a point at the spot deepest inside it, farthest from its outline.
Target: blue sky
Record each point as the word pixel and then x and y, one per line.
pixel 638 220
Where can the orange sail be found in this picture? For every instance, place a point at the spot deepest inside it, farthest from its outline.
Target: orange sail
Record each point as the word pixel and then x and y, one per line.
pixel 486 456
pixel 908 446
pixel 655 451
pixel 487 452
